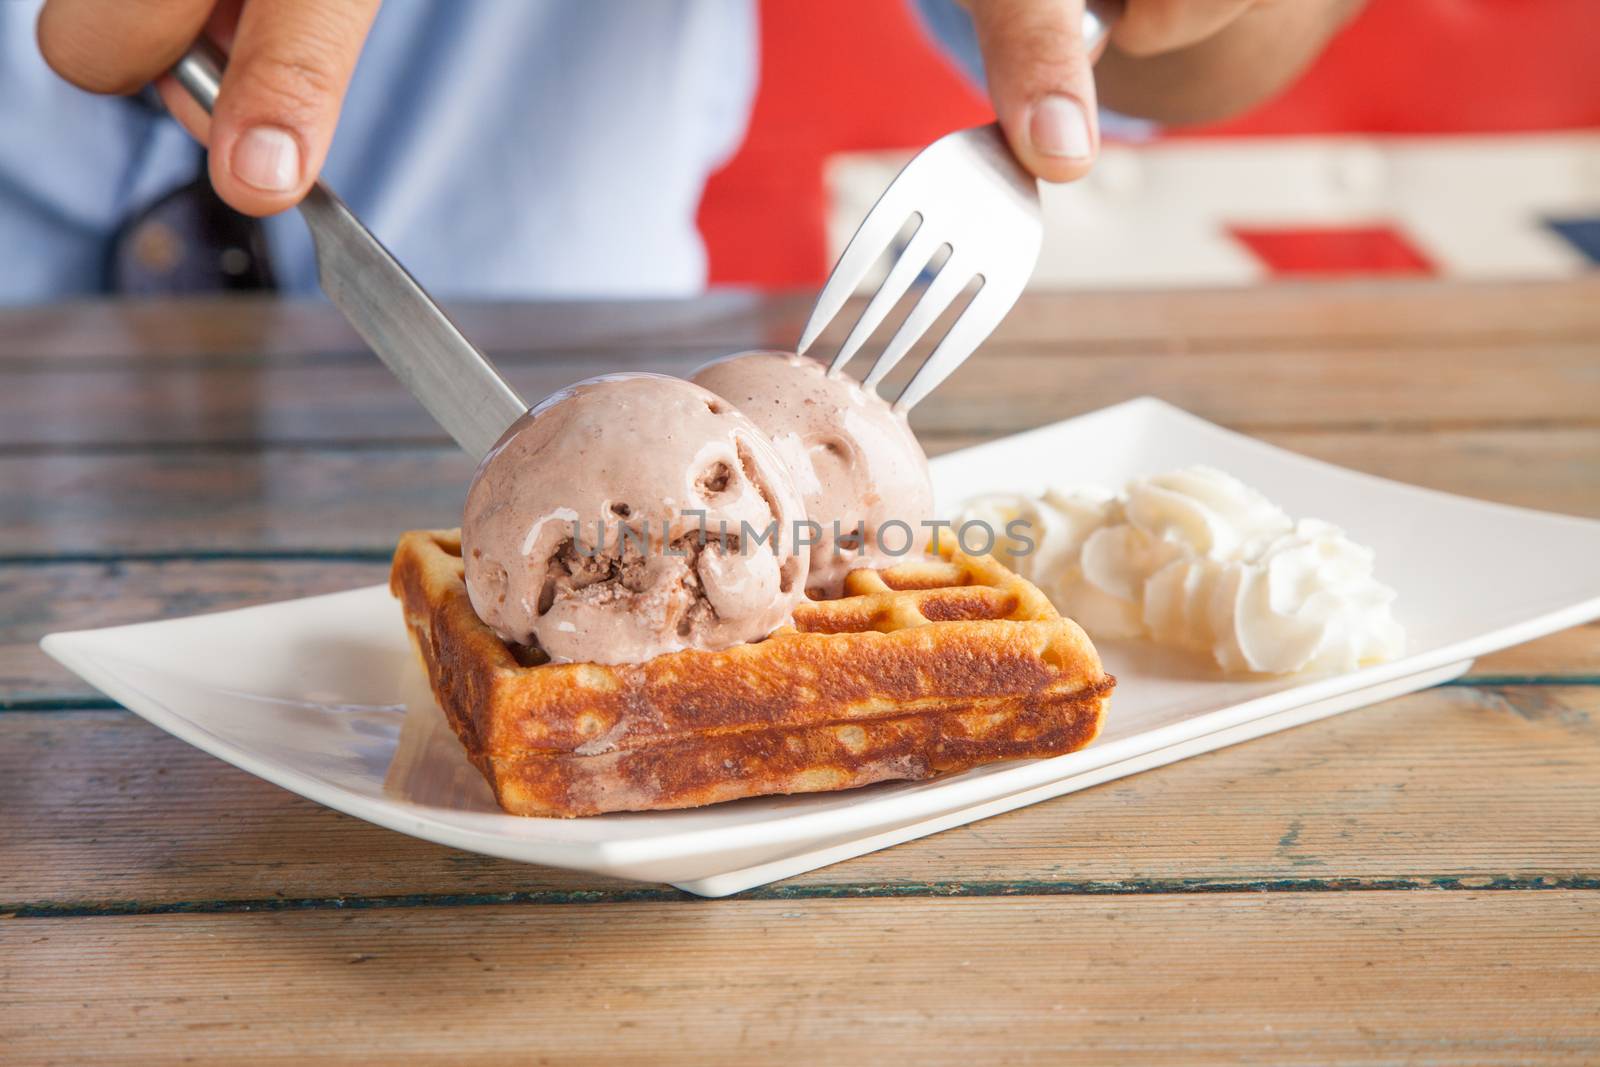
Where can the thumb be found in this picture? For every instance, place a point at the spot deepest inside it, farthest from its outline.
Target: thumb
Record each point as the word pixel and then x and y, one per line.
pixel 287 73
pixel 1041 81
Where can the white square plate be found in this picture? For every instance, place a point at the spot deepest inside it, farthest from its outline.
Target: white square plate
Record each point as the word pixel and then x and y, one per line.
pixel 322 695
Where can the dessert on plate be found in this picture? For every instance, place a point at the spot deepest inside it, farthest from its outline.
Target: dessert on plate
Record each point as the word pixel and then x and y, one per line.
pixel 920 668
pixel 623 624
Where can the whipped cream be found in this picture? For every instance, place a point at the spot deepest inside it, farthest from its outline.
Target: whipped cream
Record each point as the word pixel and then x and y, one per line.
pixel 1196 559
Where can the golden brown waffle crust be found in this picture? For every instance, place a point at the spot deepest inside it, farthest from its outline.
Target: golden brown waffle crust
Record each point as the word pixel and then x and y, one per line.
pixel 926 667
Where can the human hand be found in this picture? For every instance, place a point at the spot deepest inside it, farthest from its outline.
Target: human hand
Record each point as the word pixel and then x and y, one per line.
pixel 289 64
pixel 1172 60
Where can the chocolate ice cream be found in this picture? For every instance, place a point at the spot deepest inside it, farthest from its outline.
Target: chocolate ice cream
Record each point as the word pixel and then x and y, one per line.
pixel 632 515
pixel 855 460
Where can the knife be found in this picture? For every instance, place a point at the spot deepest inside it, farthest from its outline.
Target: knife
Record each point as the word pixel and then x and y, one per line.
pixel 393 313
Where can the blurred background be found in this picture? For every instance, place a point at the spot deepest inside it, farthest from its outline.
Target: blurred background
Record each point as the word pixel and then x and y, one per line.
pixel 1433 138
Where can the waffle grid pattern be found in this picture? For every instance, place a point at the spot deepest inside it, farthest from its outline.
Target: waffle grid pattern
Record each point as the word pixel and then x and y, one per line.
pixel 922 668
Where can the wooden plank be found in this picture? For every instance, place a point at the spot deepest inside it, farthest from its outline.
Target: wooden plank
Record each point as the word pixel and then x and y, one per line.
pixel 356 500
pixel 289 501
pixel 1311 313
pixel 44 597
pixel 1294 312
pixel 179 329
pixel 354 399
pixel 1550 470
pixel 1490 978
pixel 1321 385
pixel 1547 469
pixel 100 810
pixel 1573 653
pixel 348 399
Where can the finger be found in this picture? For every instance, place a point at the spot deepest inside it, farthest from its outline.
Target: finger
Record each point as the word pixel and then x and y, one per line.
pixel 220 27
pixel 287 73
pixel 117 47
pixel 1041 82
pixel 1151 27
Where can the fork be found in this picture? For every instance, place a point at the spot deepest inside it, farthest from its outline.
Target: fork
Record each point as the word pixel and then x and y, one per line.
pixel 966 192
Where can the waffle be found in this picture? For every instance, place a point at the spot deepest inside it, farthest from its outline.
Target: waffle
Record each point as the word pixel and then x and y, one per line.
pixel 922 668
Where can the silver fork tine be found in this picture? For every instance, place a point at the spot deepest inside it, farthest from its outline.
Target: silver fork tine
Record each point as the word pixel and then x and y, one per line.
pixel 877 230
pixel 977 320
pixel 951 279
pixel 918 251
pixel 971 195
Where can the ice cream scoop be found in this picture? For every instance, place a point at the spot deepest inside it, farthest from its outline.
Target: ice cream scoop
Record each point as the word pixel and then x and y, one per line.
pixel 863 475
pixel 632 515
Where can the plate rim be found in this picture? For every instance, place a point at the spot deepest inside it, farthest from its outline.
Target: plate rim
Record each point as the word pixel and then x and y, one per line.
pixel 75 650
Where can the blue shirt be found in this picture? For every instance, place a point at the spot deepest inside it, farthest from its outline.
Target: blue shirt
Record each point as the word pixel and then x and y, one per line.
pixel 500 149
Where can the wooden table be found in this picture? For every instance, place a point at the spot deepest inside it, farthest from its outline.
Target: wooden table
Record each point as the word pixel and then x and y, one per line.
pixel 1414 882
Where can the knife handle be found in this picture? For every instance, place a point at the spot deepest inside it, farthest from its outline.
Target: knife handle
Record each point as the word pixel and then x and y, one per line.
pixel 1098 18
pixel 200 72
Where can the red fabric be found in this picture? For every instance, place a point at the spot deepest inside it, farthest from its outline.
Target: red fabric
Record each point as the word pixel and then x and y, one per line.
pixel 836 76
pixel 1331 250
pixel 843 75
pixel 1445 66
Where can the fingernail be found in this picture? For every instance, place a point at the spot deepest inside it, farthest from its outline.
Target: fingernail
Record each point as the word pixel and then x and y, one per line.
pixel 1060 127
pixel 267 158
